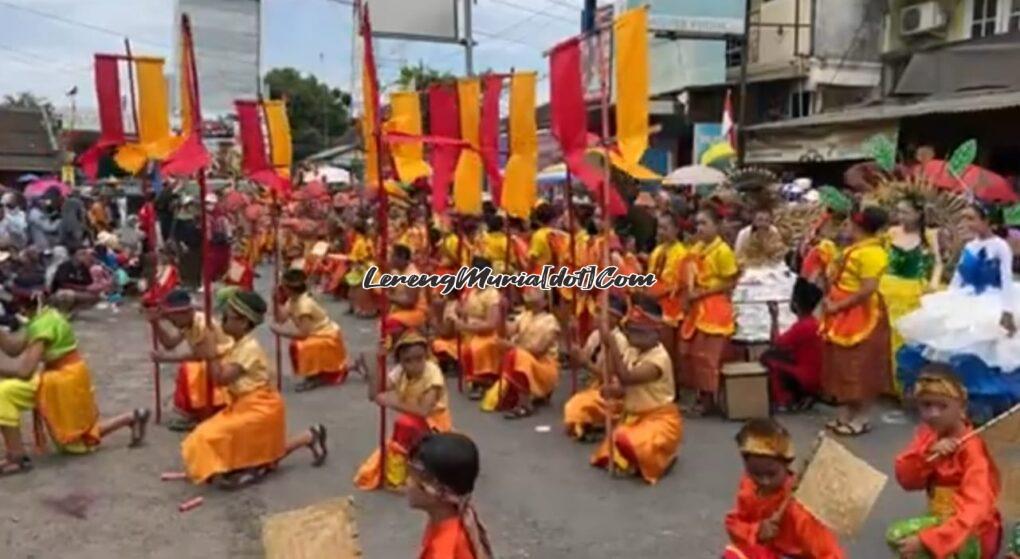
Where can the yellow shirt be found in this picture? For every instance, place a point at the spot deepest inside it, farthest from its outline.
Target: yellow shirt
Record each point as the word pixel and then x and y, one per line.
pixel 535 329
pixel 717 264
pixel 248 354
pixel 593 346
pixel 411 390
pixel 195 334
pixel 863 260
pixel 665 262
pixel 539 249
pixel 362 250
pixel 479 301
pixel 650 395
pixel 495 244
pixel 304 306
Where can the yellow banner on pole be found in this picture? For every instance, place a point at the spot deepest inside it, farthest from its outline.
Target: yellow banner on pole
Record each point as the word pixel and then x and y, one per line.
pixel 467 179
pixel 630 31
pixel 409 157
pixel 280 143
pixel 519 187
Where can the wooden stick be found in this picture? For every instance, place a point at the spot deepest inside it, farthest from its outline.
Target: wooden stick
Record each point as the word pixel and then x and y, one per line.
pixel 572 340
pixel 778 515
pixel 190 504
pixel 977 432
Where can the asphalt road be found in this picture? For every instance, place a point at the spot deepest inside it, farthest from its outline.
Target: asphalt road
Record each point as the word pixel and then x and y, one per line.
pixel 537 494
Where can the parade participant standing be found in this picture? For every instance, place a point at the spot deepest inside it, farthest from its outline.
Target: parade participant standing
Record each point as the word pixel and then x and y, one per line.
pixel 855 326
pixel 360 258
pixel 708 322
pixel 191 398
pixel 477 320
pixel 244 441
pixel 915 267
pixel 318 353
pixel 443 471
pixel 418 394
pixel 647 439
pixel 767 523
pixel 530 368
pixel 584 414
pixel 972 323
pixel 666 264
pixel 62 391
pixel 794 360
pixel 956 471
pixel 494 243
pixel 540 249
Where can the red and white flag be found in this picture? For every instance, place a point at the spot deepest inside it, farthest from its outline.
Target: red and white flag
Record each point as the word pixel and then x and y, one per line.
pixel 728 129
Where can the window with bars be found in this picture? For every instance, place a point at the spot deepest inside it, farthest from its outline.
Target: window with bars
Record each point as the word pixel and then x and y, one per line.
pixel 1014 16
pixel 984 18
pixel 734 51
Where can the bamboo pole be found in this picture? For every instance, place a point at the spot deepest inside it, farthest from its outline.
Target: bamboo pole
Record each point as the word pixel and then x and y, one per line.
pixel 604 88
pixel 571 338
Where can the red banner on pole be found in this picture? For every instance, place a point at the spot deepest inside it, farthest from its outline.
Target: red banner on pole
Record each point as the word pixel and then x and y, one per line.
pixel 570 121
pixel 253 143
pixel 492 87
pixel 444 121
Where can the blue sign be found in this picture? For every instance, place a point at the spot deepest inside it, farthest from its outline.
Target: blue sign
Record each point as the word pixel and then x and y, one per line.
pixel 706 135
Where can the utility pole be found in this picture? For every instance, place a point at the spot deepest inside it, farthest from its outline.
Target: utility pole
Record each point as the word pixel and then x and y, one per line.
pixel 469 41
pixel 745 53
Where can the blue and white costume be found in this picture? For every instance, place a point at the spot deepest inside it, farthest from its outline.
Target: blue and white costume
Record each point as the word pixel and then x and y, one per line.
pixel 961 327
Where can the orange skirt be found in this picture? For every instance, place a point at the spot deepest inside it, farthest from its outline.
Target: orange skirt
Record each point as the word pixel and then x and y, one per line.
pixel 711 315
pixel 647 442
pixel 480 358
pixel 190 390
pixel 701 361
pixel 861 372
pixel 407 431
pixel 251 431
pixel 67 403
pixel 586 411
pixel 445 347
pixel 406 318
pixel 319 354
pixel 853 325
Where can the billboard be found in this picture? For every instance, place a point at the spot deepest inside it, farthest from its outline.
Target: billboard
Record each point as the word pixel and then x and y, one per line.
pixel 226 52
pixel 677 64
pixel 706 135
pixel 427 20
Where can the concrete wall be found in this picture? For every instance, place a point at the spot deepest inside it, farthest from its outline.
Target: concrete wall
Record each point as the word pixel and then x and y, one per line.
pixel 849 29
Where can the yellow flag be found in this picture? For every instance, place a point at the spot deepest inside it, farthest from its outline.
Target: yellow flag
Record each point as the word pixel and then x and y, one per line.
pixel 519 187
pixel 632 78
pixel 409 157
pixel 467 179
pixel 368 131
pixel 153 109
pixel 280 144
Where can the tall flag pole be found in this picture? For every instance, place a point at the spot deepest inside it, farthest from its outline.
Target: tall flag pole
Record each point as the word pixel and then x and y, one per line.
pixel 372 130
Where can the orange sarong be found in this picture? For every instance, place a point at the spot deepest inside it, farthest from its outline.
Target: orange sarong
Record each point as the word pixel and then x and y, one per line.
pixel 190 389
pixel 251 431
pixel 319 354
pixel 407 431
pixel 67 403
pixel 647 442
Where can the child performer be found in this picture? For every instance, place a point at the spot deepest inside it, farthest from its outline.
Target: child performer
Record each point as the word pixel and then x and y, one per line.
pixel 243 442
pixel 530 369
pixel 794 361
pixel 959 476
pixel 709 320
pixel 418 394
pixel 443 470
pixel 648 437
pixel 191 386
pixel 767 523
pixel 584 414
pixel 477 320
pixel 318 353
pixel 62 391
pixel 408 306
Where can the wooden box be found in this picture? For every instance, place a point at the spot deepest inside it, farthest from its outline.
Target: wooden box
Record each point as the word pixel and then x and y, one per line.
pixel 745 390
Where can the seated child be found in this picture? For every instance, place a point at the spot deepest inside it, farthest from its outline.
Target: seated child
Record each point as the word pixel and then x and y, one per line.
pixel 794 361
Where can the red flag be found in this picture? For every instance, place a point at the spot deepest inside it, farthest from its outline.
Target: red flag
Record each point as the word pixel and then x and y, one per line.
pixel 191 155
pixel 444 121
pixel 491 88
pixel 570 121
pixel 253 143
pixel 728 130
pixel 111 119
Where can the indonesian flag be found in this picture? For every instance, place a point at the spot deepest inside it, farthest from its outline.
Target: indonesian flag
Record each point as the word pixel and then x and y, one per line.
pixel 728 130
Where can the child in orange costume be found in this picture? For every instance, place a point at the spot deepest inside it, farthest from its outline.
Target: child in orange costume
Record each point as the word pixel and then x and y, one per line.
pixel 584 414
pixel 960 478
pixel 443 470
pixel 767 523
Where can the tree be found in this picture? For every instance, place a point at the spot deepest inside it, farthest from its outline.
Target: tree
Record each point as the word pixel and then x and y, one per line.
pixel 318 113
pixel 421 77
pixel 27 100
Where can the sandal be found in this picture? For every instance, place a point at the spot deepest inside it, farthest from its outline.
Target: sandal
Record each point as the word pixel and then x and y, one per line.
pixel 181 425
pixel 239 480
pixel 476 393
pixel 520 412
pixel 20 465
pixel 308 384
pixel 318 445
pixel 138 427
pixel 851 429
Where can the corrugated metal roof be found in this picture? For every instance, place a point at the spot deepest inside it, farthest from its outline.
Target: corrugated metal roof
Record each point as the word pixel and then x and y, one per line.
pixel 961 103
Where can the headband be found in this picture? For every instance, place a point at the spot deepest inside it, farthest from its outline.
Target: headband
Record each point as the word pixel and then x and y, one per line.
pixel 777 445
pixel 238 304
pixel 939 385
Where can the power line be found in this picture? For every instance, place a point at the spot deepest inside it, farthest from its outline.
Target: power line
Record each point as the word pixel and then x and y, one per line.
pixel 533 11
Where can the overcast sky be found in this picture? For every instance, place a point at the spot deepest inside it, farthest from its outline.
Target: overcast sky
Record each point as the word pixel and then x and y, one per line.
pixel 46 46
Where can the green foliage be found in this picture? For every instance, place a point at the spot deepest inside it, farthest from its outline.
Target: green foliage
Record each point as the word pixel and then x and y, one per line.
pixel 962 157
pixel 318 114
pixel 27 100
pixel 421 77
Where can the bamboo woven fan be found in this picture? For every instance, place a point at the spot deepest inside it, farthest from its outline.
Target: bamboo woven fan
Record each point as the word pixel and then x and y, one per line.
pixel 838 488
pixel 325 529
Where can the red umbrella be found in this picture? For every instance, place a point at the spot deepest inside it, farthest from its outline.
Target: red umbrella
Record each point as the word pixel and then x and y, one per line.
pixel 985 184
pixel 42 186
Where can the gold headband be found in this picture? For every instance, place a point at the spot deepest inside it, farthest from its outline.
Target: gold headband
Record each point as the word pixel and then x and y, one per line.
pixel 777 446
pixel 939 385
pixel 244 310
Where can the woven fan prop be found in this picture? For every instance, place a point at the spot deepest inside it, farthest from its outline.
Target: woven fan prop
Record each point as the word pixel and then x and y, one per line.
pixel 325 529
